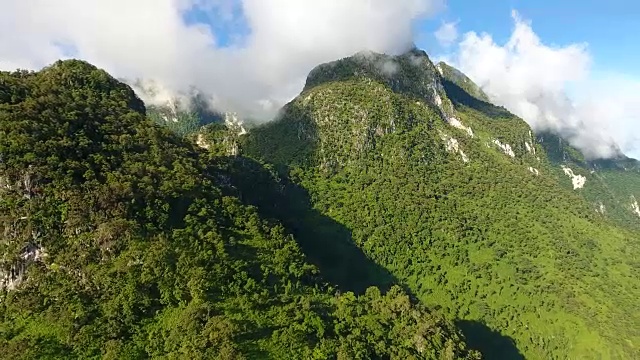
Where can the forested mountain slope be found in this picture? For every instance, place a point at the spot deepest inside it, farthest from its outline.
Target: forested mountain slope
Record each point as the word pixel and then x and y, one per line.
pixel 119 240
pixel 184 113
pixel 456 198
pixel 611 186
pixel 456 77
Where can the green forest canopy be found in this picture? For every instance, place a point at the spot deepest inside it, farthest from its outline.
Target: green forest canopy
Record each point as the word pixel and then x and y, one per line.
pixel 487 241
pixel 121 240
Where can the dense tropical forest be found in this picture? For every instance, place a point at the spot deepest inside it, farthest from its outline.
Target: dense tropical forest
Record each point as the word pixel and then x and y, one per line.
pixel 122 240
pixel 459 201
pixel 613 185
pixel 389 212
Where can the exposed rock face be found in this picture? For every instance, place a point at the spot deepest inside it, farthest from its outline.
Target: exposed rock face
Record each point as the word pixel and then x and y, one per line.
pixel 634 206
pixel 601 208
pixel 577 180
pixel 15 275
pixel 453 146
pixel 459 125
pixel 506 148
pixel 202 142
pixel 234 123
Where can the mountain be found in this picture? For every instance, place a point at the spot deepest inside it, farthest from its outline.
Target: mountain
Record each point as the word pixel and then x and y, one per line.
pixel 389 193
pixel 456 198
pixel 122 240
pixel 184 113
pixel 611 186
pixel 453 77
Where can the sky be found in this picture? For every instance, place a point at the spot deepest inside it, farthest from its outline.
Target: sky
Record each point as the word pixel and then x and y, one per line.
pixel 567 66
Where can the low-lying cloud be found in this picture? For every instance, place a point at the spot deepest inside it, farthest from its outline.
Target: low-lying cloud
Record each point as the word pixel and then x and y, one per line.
pixel 553 88
pixel 252 55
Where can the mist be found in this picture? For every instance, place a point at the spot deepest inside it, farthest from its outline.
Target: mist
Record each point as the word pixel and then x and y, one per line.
pixel 251 56
pixel 553 88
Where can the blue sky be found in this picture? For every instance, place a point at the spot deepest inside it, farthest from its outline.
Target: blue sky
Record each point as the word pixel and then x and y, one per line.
pixel 609 27
pixel 252 56
pixel 608 61
pixel 584 60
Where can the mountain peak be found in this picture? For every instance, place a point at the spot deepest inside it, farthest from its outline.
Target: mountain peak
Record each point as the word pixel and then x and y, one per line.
pixel 458 78
pixel 184 112
pixel 411 73
pixel 71 75
pixel 382 94
pixel 455 195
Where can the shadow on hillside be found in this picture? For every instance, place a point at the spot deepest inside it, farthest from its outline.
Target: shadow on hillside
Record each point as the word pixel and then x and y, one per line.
pixel 492 344
pixel 325 242
pixel 459 96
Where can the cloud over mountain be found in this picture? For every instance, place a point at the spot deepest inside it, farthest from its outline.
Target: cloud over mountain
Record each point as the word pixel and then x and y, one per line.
pixel 553 88
pixel 253 55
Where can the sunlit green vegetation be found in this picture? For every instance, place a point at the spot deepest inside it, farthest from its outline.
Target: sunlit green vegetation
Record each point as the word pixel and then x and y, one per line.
pixel 130 243
pixel 486 242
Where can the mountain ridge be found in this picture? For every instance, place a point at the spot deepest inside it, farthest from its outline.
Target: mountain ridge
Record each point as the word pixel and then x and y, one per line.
pixel 460 203
pixel 121 239
pixel 383 195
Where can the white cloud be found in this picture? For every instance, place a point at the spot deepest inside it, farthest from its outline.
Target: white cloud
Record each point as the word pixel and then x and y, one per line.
pixel 447 33
pixel 531 79
pixel 150 39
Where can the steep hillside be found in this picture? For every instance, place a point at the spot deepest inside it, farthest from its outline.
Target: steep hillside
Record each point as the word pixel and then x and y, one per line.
pixel 454 77
pixel 456 198
pixel 185 113
pixel 611 186
pixel 119 240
